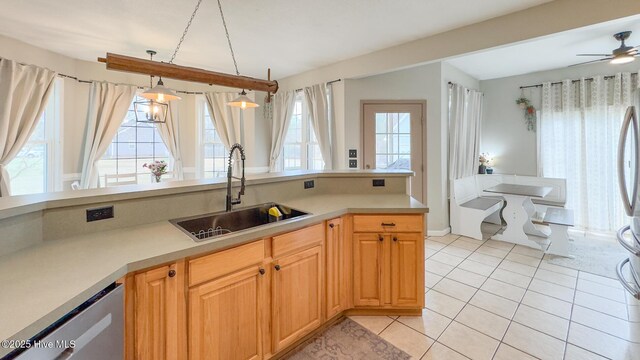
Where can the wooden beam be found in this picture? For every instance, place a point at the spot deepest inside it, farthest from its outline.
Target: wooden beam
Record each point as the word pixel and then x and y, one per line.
pixel 172 71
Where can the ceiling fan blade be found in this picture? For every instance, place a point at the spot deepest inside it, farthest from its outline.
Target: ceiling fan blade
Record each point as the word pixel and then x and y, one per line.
pixel 593 54
pixel 592 61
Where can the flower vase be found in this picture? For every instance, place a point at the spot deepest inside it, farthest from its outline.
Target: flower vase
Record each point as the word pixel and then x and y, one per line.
pixel 489 171
pixel 482 169
pixel 156 178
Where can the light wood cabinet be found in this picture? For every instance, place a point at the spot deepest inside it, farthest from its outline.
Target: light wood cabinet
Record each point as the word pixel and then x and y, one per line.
pixel 296 296
pixel 226 316
pixel 388 266
pixel 158 329
pixel 337 267
pixel 367 269
pixel 407 270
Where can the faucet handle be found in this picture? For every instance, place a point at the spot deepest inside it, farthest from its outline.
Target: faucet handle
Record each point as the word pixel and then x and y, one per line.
pixel 235 201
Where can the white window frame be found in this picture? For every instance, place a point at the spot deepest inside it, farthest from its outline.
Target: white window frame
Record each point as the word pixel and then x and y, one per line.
pixel 201 108
pixel 52 139
pixel 306 143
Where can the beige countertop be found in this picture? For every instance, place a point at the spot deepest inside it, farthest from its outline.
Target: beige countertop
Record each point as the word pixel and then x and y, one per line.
pixel 41 283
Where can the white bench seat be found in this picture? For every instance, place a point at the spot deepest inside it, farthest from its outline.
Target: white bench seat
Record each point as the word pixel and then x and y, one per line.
pixel 559 220
pixel 481 203
pixel 468 210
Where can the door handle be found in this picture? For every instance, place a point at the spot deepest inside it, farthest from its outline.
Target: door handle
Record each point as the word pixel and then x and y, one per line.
pixel 380 237
pixel 261 271
pixel 395 238
pixel 629 119
pixel 277 267
pixel 331 225
pixel 172 273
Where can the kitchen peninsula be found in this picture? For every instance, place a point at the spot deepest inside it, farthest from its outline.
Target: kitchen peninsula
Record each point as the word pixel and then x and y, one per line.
pixel 360 247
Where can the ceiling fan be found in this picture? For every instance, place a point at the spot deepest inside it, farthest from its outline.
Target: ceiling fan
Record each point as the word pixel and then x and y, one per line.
pixel 621 55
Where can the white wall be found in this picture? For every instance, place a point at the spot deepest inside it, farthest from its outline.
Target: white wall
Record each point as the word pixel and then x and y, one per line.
pixel 504 133
pixel 75 103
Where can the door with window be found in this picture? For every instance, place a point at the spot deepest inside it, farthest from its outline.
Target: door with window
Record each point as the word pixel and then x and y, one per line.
pixel 392 135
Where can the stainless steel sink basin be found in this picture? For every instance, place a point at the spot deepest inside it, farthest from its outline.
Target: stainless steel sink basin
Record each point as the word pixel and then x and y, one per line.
pixel 203 227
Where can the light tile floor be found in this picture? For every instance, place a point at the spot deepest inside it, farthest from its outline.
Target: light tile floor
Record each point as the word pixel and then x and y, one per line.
pixel 495 300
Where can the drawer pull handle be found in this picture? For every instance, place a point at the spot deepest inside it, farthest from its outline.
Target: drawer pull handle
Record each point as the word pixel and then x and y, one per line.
pixel 172 273
pixel 388 224
pixel 380 237
pixel 261 271
pixel 277 267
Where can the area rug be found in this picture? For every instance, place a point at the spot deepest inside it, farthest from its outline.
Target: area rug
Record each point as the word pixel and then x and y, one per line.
pixel 593 255
pixel 347 340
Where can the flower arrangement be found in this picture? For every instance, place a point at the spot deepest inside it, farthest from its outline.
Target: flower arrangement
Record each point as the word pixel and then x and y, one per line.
pixel 485 160
pixel 485 164
pixel 157 168
pixel 530 116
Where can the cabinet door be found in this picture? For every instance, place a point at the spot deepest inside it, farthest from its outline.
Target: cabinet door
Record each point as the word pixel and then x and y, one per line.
pixel 336 268
pixel 160 313
pixel 367 269
pixel 296 296
pixel 407 270
pixel 225 317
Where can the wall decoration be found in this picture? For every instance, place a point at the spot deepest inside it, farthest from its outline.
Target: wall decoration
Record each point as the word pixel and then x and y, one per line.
pixel 530 112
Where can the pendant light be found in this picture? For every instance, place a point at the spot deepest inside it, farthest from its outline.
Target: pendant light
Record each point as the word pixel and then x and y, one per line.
pixel 155 107
pixel 242 101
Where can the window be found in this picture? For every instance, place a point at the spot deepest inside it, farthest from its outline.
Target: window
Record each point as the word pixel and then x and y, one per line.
pixel 212 152
pixel 134 145
pixel 393 141
pixel 37 167
pixel 301 149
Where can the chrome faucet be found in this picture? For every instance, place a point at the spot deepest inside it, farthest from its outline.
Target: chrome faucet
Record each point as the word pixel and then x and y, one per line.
pixel 230 200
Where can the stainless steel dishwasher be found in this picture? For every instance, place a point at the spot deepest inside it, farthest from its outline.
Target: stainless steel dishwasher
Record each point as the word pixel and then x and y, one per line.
pixel 92 331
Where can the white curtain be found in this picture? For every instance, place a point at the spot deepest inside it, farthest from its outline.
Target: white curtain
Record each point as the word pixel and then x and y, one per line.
pixel 170 134
pixel 108 105
pixel 226 121
pixel 317 99
pixel 465 115
pixel 24 92
pixel 579 127
pixel 283 104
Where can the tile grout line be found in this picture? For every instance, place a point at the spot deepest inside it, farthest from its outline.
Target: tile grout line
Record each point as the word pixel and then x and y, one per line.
pixel 540 262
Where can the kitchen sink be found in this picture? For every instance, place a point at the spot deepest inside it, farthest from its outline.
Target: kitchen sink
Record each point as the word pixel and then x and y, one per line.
pixel 204 227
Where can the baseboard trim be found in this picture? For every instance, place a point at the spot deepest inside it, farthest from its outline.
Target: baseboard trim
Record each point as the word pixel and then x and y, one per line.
pixel 382 312
pixel 442 232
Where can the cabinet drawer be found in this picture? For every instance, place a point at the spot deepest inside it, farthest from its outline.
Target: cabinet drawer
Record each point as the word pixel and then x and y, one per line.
pixel 387 223
pixel 224 262
pixel 296 240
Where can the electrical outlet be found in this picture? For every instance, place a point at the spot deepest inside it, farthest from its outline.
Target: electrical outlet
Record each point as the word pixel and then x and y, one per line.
pixel 353 163
pixel 309 184
pixel 100 213
pixel 353 153
pixel 378 182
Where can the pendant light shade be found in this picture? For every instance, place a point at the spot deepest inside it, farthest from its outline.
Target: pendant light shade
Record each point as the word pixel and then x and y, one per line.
pixel 243 102
pixel 160 93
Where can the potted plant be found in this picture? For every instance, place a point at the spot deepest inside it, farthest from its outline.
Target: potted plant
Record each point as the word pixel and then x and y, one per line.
pixel 157 169
pixel 484 163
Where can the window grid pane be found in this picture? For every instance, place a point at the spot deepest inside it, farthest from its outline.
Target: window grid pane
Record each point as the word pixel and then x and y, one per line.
pixel 134 145
pixel 214 154
pixel 393 140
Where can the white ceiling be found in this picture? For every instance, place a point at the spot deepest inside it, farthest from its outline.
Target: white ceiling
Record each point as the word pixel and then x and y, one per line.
pixel 290 36
pixel 550 52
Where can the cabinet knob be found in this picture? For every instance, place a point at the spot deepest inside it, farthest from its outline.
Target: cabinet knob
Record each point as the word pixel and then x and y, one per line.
pixel 331 225
pixel 277 267
pixel 395 238
pixel 380 237
pixel 172 273
pixel 261 271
